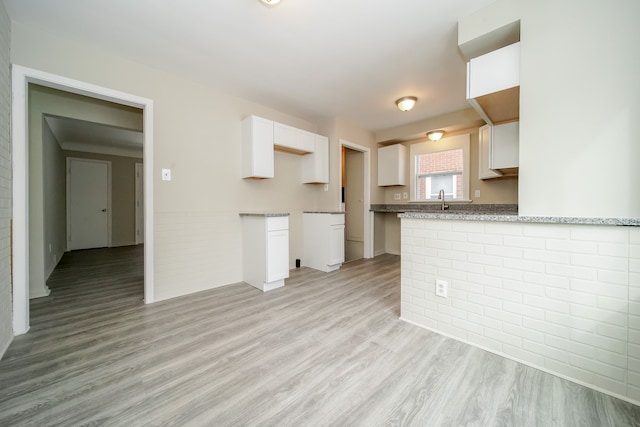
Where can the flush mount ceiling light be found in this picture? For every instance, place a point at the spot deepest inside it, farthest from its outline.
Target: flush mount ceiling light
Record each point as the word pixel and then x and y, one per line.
pixel 406 103
pixel 435 135
pixel 270 2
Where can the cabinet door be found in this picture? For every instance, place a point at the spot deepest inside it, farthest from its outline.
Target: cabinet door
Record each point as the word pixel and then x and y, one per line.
pixel 284 136
pixel 277 255
pixel 392 165
pixel 315 166
pixel 336 245
pixel 505 146
pixel 484 154
pixel 257 148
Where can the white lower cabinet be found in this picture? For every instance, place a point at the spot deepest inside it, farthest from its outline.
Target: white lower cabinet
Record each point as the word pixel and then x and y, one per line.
pixel 323 235
pixel 265 250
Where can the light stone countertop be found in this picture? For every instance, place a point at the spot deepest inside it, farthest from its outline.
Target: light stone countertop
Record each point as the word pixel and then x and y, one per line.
pixel 501 217
pixel 264 214
pixel 324 212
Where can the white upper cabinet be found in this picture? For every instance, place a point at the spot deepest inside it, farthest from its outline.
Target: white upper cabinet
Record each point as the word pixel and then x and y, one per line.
pixel 288 138
pixel 392 165
pixel 260 137
pixel 315 166
pixel 257 148
pixel 505 153
pixel 498 150
pixel 493 84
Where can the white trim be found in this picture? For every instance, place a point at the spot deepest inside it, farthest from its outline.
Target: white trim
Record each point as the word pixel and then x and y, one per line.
pixel 367 214
pixel 138 174
pixel 109 210
pixel 20 78
pixel 540 368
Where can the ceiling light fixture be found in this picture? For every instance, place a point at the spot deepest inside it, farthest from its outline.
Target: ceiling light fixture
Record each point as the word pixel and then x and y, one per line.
pixel 435 135
pixel 406 103
pixel 270 2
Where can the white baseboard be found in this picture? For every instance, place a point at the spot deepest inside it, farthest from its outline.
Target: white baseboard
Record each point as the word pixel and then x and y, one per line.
pixel 379 252
pixel 506 356
pixel 392 252
pixel 45 293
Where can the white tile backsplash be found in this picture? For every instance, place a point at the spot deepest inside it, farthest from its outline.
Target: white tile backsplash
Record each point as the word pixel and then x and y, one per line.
pixel 564 298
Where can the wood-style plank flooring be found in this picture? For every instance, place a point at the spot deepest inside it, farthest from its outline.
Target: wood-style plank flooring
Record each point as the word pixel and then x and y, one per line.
pixel 327 349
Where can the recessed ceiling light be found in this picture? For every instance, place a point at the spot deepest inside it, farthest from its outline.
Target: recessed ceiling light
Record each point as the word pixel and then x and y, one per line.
pixel 406 103
pixel 270 2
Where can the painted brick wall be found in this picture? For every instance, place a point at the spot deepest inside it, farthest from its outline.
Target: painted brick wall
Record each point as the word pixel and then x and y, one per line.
pixel 6 329
pixel 563 298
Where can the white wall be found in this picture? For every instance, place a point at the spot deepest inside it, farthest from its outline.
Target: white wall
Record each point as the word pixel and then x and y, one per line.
pixel 54 201
pixel 197 135
pixel 6 310
pixel 562 298
pixel 579 108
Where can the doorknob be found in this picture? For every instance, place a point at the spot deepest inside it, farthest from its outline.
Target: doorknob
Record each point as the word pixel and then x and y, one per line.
pixel 104 210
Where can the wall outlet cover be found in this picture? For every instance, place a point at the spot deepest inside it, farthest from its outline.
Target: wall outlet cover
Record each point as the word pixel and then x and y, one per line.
pixel 441 288
pixel 405 195
pixel 396 196
pixel 166 174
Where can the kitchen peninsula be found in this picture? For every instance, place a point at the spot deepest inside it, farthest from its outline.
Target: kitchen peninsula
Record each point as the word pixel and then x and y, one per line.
pixel 558 294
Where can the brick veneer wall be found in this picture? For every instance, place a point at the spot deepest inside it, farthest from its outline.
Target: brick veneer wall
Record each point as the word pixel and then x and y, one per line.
pixel 6 329
pixel 562 298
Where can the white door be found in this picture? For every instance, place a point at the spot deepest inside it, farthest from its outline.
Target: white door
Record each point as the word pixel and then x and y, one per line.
pixel 139 204
pixel 88 203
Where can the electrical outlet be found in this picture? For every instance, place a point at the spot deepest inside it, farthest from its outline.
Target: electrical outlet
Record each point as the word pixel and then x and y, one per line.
pixel 396 196
pixel 405 195
pixel 478 193
pixel 441 288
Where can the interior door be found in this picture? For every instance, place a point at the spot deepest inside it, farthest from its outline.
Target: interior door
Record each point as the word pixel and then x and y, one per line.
pixel 354 204
pixel 88 200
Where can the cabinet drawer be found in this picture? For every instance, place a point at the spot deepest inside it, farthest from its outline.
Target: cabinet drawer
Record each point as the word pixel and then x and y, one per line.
pixel 277 223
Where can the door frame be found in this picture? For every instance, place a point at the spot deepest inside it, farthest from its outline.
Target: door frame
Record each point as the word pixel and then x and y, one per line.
pixel 367 214
pixel 20 79
pixel 139 221
pixel 109 216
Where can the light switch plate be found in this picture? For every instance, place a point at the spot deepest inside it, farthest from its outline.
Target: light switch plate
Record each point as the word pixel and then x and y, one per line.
pixel 396 196
pixel 405 195
pixel 477 193
pixel 166 174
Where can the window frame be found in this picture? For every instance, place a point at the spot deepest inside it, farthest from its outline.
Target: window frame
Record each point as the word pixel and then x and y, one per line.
pixel 445 144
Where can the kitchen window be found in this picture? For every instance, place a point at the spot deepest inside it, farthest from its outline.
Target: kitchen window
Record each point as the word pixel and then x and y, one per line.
pixel 441 165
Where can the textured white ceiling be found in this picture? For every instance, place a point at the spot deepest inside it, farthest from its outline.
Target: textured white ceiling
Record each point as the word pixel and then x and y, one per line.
pixel 310 58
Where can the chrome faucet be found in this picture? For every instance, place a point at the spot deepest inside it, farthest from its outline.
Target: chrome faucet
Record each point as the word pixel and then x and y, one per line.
pixel 443 205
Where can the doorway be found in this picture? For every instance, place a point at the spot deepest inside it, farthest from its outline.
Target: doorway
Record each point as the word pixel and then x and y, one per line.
pixel 88 204
pixel 360 210
pixel 353 183
pixel 21 78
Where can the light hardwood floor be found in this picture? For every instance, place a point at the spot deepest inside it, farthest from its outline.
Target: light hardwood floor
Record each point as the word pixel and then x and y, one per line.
pixel 327 349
